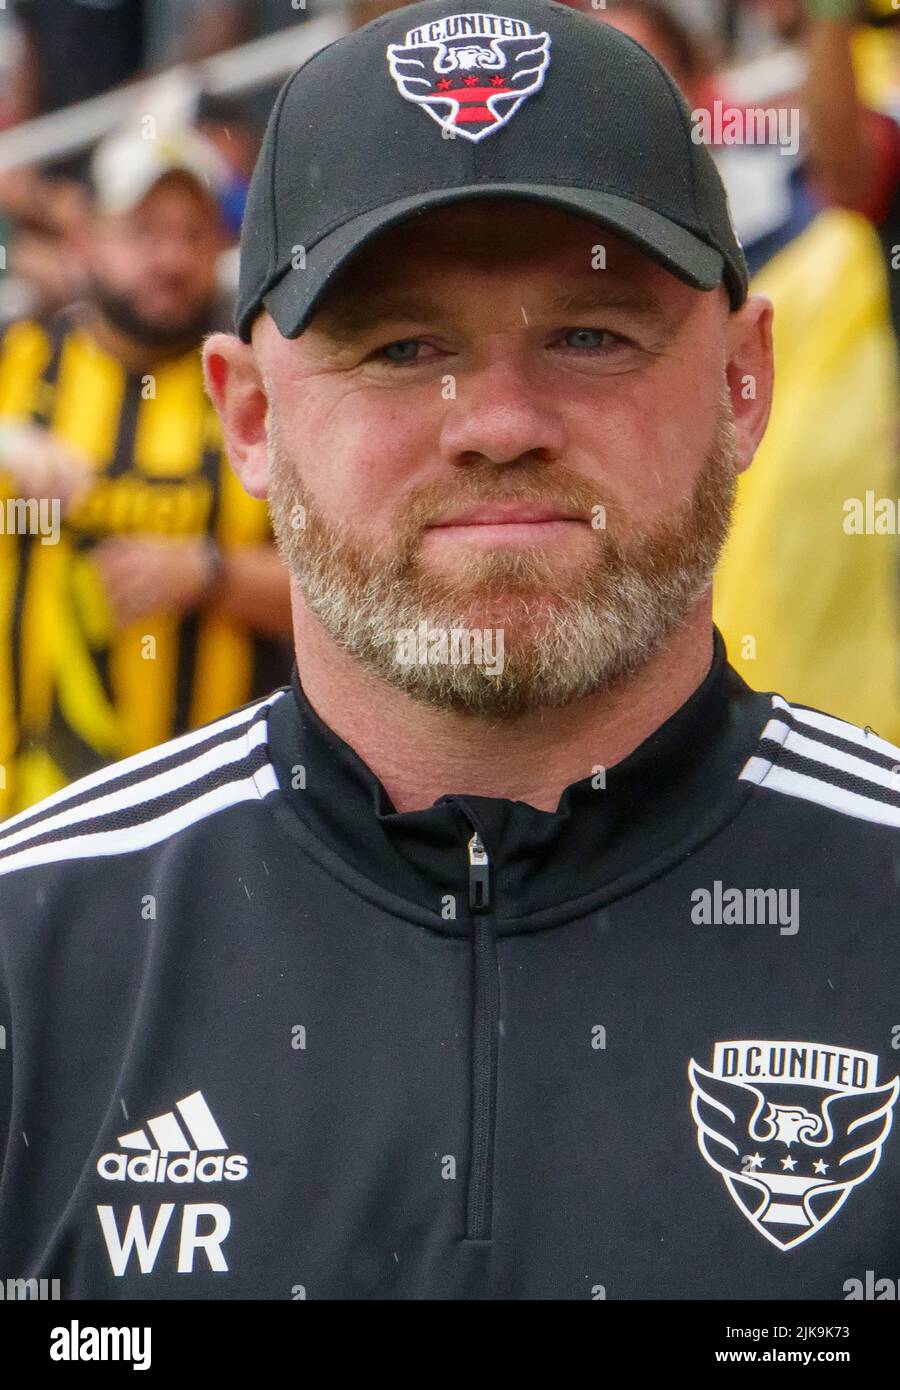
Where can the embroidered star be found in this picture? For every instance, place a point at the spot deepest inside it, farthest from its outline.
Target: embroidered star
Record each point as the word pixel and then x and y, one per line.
pixel 445 84
pixel 756 1161
pixel 820 1167
pixel 496 81
pixel 472 81
pixel 789 1163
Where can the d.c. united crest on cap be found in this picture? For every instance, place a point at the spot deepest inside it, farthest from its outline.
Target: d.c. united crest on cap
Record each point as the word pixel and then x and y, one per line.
pixel 470 72
pixel 792 1127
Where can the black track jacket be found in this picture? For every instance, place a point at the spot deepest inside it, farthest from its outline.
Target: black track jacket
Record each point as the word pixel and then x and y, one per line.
pixel 261 1036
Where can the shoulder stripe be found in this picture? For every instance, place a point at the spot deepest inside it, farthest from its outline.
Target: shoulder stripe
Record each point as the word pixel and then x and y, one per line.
pixel 865 753
pixel 125 773
pixel 816 757
pixel 141 801
pixel 849 803
pixel 828 724
pixel 793 761
pixel 131 838
pixel 840 763
pixel 120 814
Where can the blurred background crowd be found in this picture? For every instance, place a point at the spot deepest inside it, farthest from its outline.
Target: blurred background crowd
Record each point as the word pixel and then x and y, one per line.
pixel 140 591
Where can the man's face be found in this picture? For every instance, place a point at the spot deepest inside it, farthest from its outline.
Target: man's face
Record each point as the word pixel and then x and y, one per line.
pixel 478 355
pixel 153 270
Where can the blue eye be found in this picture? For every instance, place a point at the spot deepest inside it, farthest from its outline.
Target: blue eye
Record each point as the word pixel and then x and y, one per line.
pixel 597 334
pixel 402 356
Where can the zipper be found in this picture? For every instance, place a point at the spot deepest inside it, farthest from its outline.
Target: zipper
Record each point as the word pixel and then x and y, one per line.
pixel 479 876
pixel 485 1028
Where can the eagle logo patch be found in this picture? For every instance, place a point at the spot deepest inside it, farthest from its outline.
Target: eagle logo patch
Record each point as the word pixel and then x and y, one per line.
pixel 470 72
pixel 792 1127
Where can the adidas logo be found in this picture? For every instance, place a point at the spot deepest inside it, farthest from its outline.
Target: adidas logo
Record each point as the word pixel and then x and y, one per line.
pixel 189 1149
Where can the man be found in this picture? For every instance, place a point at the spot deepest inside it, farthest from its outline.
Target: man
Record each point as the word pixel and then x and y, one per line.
pixel 518 949
pixel 156 602
pixel 831 449
pixel 76 49
pixel 658 28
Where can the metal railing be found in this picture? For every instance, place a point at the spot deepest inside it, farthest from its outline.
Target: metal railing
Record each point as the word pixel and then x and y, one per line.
pixel 238 70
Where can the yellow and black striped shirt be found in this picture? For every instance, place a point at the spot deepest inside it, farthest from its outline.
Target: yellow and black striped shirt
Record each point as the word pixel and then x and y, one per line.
pixel 74 692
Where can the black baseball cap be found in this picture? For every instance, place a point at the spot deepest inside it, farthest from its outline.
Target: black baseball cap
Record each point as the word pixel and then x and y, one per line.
pixel 436 103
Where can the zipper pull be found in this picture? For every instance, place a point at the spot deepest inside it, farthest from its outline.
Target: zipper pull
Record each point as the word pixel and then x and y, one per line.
pixel 479 876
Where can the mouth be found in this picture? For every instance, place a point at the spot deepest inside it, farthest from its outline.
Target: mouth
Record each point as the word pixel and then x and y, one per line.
pixel 511 521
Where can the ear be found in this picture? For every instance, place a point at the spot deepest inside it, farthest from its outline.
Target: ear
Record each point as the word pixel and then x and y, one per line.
pixel 749 371
pixel 235 387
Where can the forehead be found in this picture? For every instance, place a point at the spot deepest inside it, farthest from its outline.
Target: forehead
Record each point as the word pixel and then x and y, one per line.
pixel 176 194
pixel 516 241
pixel 179 188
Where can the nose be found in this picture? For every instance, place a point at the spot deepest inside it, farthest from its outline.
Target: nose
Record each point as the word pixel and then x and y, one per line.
pixel 501 414
pixel 173 256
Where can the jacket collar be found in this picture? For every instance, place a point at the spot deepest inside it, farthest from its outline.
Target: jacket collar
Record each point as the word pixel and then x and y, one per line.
pixel 669 793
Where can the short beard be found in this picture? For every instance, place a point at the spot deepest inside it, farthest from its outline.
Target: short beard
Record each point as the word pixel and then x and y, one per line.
pixel 125 316
pixel 563 640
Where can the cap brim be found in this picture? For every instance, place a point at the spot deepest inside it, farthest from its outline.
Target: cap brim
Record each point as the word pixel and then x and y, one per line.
pixel 128 197
pixel 294 297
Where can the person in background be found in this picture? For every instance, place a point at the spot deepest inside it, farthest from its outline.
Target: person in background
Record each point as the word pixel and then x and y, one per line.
pixel 43 222
pixel 158 600
pixel 823 611
pixel 76 49
pixel 775 205
pixel 654 26
pixel 854 151
pixel 201 28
